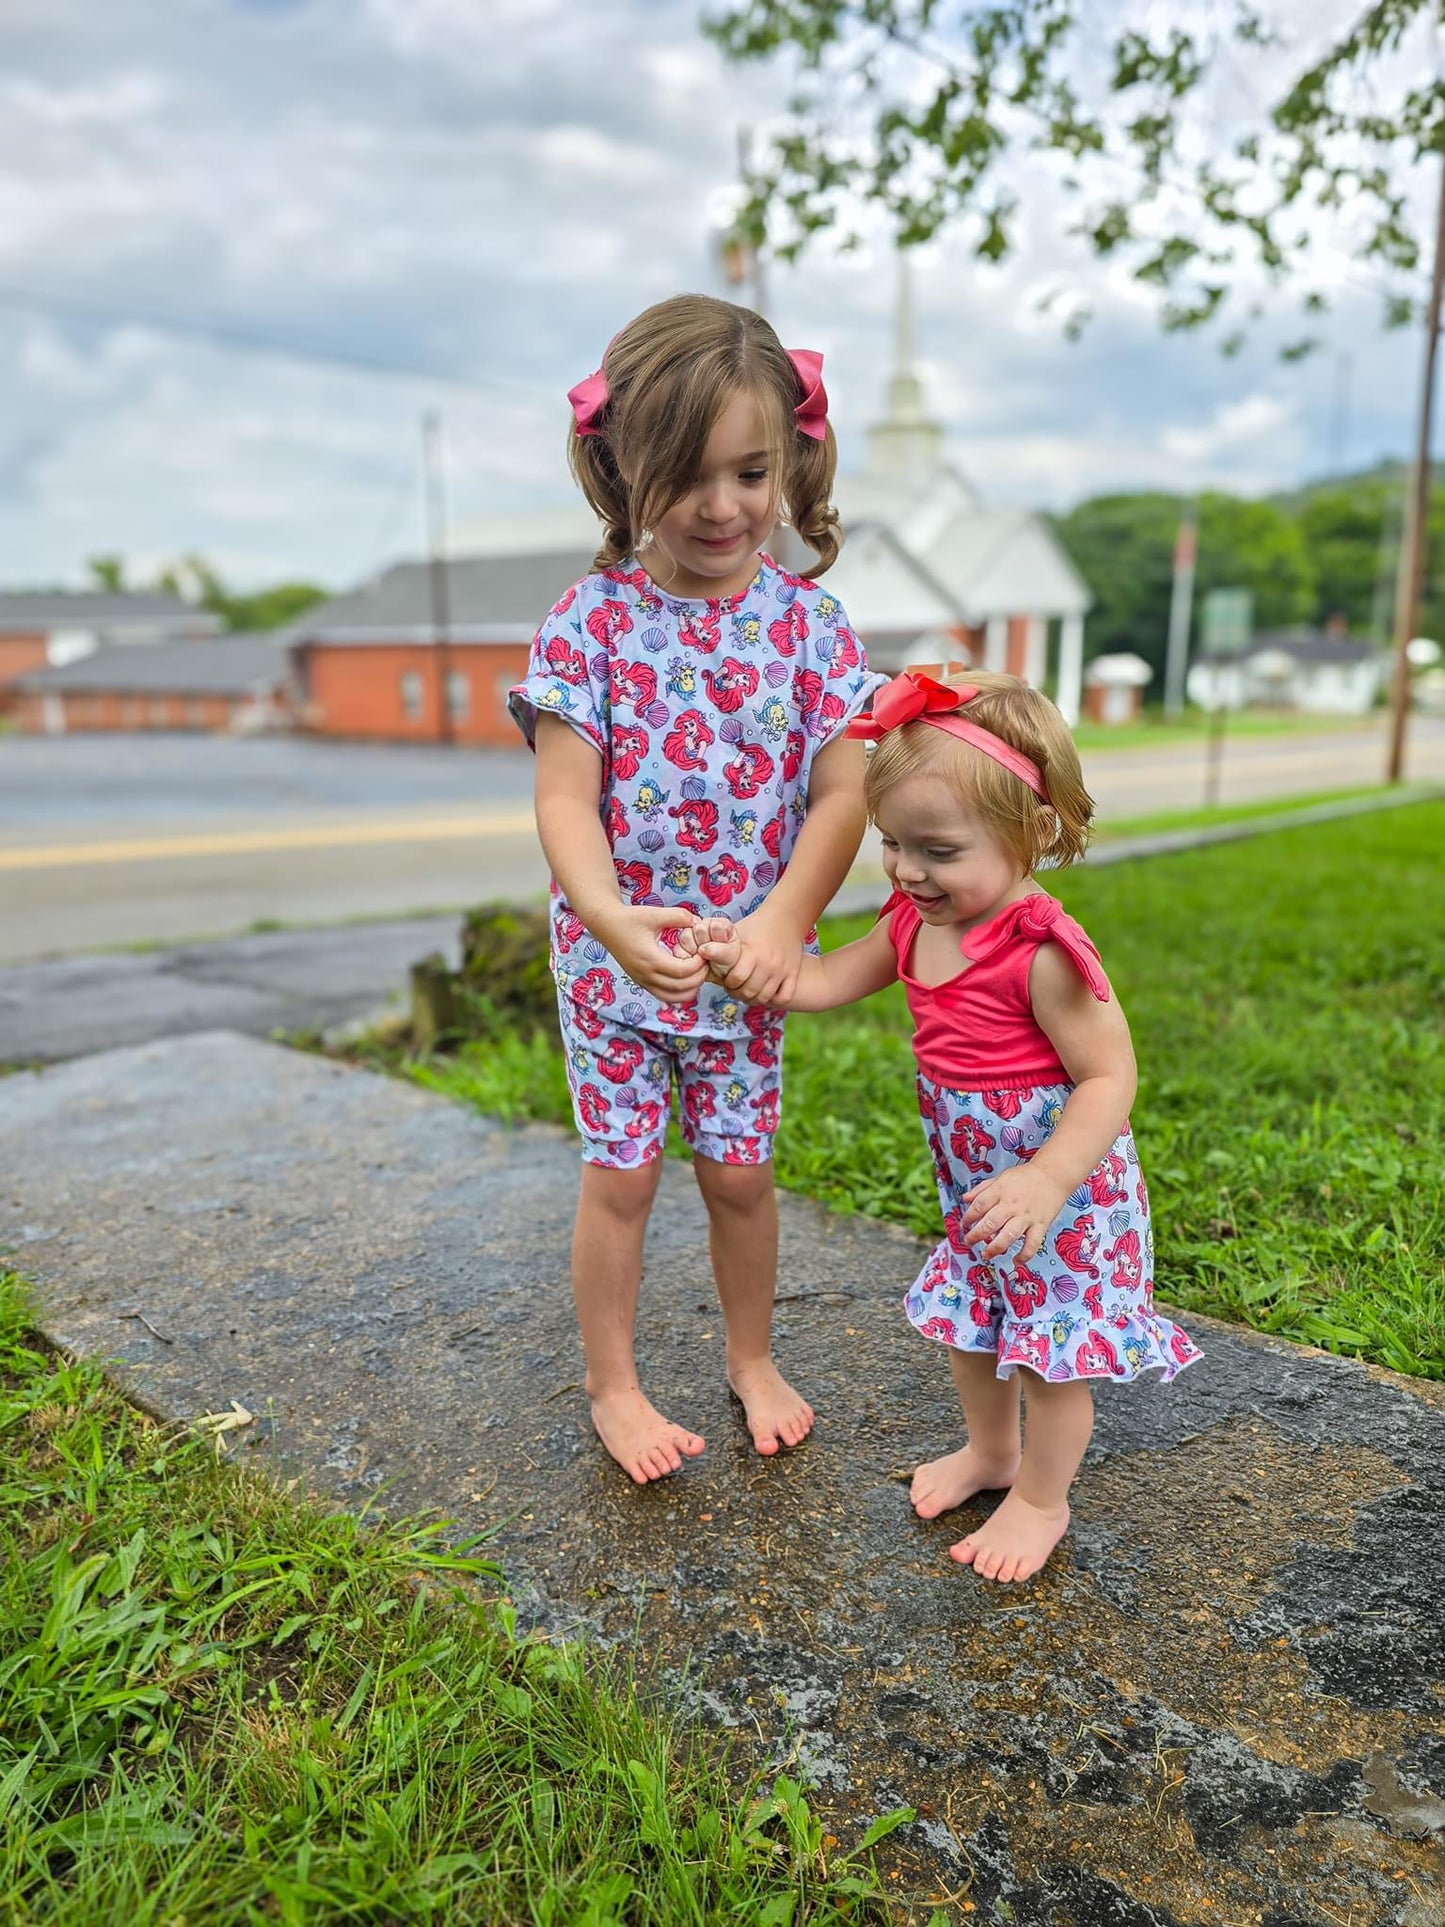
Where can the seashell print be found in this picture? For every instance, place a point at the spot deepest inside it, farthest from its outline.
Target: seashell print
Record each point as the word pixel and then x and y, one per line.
pixel 594 952
pixel 776 673
pixel 651 841
pixel 654 639
pixel 731 731
pixel 633 1014
pixel 1066 1290
pixel 1118 1222
pixel 1078 1199
pixel 694 788
pixel 600 667
pixel 657 714
pixel 763 874
pixel 1011 1137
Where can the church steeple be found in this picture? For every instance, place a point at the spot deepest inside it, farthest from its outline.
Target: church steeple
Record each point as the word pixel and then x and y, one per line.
pixel 906 445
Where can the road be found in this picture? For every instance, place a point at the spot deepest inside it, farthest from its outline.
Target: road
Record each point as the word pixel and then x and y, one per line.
pixel 108 841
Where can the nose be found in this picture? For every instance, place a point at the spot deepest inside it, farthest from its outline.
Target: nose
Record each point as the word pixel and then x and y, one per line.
pixel 717 502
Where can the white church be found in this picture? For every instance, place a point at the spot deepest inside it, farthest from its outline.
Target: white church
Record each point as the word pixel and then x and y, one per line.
pixel 927 573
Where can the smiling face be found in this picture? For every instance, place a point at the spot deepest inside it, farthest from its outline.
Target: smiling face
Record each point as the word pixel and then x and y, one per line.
pixel 942 855
pixel 707 542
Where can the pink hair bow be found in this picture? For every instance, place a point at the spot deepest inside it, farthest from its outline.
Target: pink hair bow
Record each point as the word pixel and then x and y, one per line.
pixel 916 698
pixel 590 397
pixel 811 413
pixel 588 400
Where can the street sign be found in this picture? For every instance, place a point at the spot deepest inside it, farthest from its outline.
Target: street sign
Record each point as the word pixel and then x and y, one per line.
pixel 1226 622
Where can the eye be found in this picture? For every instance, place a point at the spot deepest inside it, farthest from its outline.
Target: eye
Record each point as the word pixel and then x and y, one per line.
pixel 753 475
pixel 941 856
pixel 889 844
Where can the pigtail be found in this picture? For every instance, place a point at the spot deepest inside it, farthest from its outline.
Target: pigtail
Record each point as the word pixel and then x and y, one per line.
pixel 807 487
pixel 595 469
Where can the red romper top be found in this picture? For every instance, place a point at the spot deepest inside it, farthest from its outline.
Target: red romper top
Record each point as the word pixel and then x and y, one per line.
pixel 977 1031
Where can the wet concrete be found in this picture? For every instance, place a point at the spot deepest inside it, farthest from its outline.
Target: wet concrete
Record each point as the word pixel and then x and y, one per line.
pixel 1223 1702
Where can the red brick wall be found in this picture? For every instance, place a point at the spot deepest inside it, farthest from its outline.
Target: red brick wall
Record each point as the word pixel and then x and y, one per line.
pixel 356 690
pixel 86 710
pixel 19 655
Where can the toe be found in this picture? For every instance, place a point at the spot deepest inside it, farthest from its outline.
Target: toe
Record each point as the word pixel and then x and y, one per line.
pixel 767 1444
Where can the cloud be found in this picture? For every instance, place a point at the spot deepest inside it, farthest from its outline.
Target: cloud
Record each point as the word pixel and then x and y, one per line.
pixel 488 192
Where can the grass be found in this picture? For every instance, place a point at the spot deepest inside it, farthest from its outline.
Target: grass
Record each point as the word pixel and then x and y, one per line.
pixel 1152 731
pixel 1111 829
pixel 219 1703
pixel 1285 995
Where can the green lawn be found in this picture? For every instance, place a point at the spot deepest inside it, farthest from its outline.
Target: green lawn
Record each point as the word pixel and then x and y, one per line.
pixel 220 1703
pixel 1286 996
pixel 1151 730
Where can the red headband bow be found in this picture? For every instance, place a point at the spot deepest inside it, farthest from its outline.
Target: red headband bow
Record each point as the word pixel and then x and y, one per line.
pixel 916 698
pixel 591 396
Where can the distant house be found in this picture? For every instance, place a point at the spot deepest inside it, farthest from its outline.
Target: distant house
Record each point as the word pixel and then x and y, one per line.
pixel 46 629
pixel 369 664
pixel 1315 671
pixel 231 683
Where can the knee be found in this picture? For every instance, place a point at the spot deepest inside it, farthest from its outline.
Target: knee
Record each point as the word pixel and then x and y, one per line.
pixel 621 1194
pixel 733 1187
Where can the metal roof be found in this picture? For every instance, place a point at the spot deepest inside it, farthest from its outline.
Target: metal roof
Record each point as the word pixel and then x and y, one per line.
pixel 234 665
pixel 490 598
pixel 22 611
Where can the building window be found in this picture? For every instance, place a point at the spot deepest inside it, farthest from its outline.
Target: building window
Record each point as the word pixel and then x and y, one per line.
pixel 411 695
pixel 459 695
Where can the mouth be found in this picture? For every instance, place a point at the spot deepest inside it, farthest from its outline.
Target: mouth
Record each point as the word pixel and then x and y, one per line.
pixel 925 903
pixel 719 544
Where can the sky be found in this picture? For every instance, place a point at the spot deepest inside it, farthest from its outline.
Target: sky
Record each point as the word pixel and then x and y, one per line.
pixel 484 190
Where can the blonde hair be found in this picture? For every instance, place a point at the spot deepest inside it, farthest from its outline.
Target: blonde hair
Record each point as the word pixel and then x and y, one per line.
pixel 1049 831
pixel 670 373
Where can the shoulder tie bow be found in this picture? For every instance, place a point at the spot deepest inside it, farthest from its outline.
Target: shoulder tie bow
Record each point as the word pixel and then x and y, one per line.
pixel 1036 919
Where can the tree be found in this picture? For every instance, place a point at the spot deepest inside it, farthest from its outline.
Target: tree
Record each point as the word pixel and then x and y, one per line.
pixel 925 108
pixel 1123 545
pixel 107 572
pixel 269 608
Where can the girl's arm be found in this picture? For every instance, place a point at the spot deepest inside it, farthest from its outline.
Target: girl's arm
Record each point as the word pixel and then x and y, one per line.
pixel 1094 1046
pixel 569 823
pixel 843 976
pixel 822 857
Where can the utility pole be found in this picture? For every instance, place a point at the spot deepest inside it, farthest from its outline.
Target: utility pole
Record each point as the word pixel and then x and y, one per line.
pixel 1181 605
pixel 431 433
pixel 1417 504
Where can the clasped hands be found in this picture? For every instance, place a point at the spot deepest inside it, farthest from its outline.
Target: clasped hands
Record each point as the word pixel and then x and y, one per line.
pixel 756 959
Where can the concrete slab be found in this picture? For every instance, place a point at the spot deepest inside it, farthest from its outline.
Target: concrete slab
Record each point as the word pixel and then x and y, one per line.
pixel 271 980
pixel 1223 1703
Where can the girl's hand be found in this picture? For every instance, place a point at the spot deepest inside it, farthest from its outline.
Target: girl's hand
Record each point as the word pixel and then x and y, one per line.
pixel 766 972
pixel 715 941
pixel 632 933
pixel 1018 1203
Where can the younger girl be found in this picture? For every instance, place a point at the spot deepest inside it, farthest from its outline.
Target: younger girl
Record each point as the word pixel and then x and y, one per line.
pixel 687 702
pixel 1025 1077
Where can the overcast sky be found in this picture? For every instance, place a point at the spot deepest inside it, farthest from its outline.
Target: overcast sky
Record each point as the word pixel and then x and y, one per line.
pixel 488 188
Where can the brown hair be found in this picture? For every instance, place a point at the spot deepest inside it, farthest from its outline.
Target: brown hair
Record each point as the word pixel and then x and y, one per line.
pixel 1036 831
pixel 670 373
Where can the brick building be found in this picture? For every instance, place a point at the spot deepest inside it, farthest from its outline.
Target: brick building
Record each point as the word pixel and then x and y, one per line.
pixel 47 629
pixel 232 683
pixel 369 665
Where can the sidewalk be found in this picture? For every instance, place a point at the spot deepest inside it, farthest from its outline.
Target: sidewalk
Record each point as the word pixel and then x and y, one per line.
pixel 1223 1702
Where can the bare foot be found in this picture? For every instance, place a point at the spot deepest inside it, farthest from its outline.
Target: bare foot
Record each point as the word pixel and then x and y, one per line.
pixel 944 1483
pixel 1013 1543
pixel 777 1415
pixel 645 1444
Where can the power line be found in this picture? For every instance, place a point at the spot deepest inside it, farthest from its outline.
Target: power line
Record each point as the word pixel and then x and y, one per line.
pixel 222 334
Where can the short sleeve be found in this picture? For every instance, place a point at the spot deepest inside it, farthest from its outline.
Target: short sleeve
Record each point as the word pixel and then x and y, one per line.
pixel 559 679
pixel 843 681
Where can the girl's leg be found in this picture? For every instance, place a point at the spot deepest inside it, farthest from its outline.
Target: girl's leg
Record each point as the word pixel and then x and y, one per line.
pixel 612 1214
pixel 990 1459
pixel 742 1212
pixel 1015 1541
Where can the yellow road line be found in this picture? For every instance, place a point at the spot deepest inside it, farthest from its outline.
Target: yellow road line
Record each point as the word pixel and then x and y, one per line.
pixel 330 836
